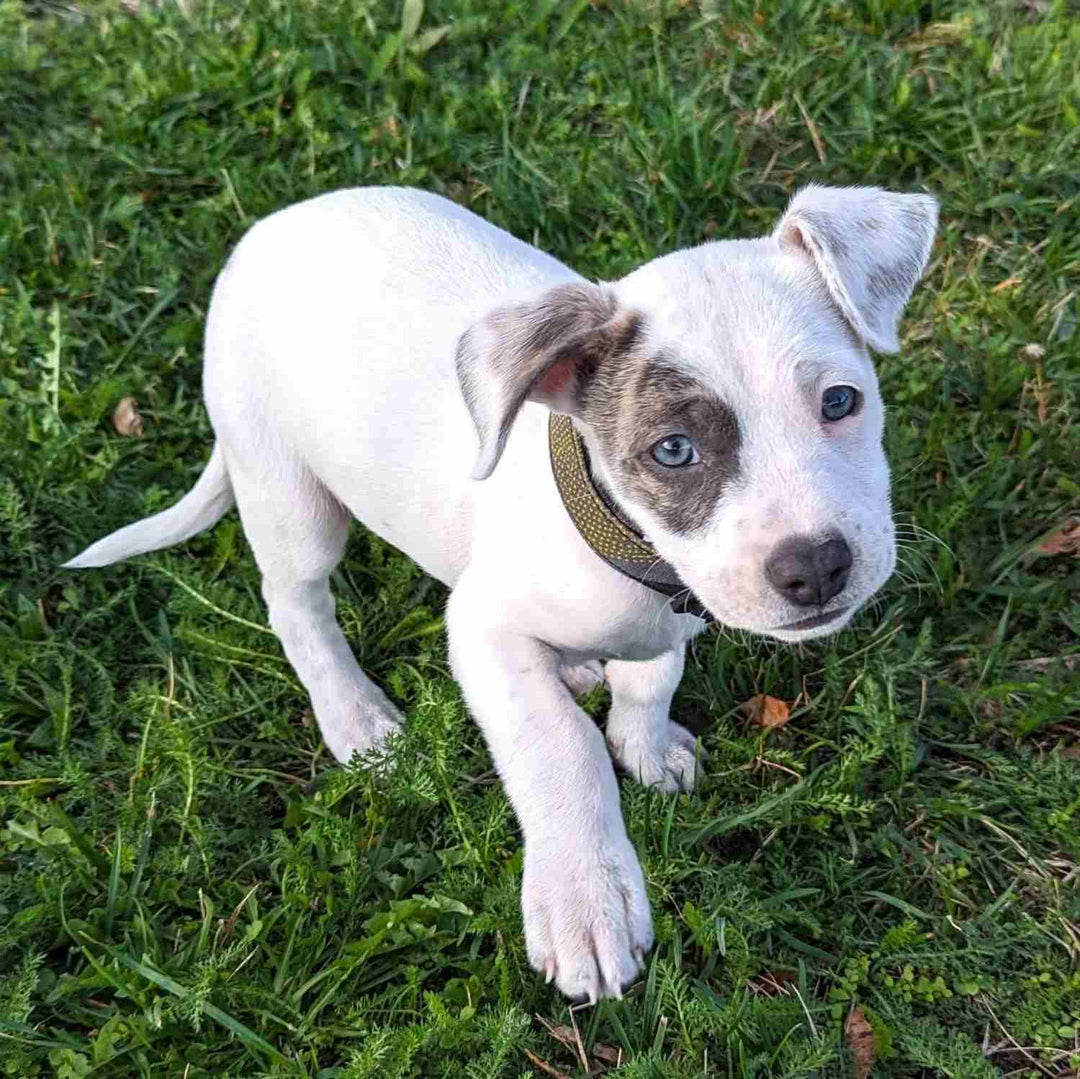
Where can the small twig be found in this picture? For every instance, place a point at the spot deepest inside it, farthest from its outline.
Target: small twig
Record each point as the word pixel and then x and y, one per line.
pixel 490 776
pixel 815 138
pixel 544 1066
pixel 1034 1048
pixel 781 767
pixel 577 1037
pixel 1012 1041
pixel 769 166
pixel 524 93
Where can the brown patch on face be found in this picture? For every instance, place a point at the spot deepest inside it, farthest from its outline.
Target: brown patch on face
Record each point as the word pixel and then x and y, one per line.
pixel 636 403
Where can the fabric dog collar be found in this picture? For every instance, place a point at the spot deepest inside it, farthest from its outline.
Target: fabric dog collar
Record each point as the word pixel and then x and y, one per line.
pixel 604 528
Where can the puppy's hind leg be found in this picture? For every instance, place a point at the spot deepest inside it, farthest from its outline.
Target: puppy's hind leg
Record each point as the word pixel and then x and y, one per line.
pixel 297 531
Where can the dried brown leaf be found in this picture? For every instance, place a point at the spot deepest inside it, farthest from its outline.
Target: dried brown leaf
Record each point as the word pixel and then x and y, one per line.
pixel 566 1035
pixel 559 1032
pixel 127 419
pixel 607 1053
pixel 1063 540
pixel 860 1039
pixel 766 711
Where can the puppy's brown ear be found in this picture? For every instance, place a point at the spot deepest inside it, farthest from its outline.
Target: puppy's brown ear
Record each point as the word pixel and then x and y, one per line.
pixel 870 247
pixel 545 349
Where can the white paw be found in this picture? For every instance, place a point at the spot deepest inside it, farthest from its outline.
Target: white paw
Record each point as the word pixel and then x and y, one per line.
pixel 668 760
pixel 360 732
pixel 580 679
pixel 587 920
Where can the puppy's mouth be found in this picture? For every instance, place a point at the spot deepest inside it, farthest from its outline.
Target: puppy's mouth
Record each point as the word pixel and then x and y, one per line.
pixel 813 622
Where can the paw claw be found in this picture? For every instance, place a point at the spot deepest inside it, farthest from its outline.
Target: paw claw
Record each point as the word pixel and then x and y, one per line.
pixel 587 921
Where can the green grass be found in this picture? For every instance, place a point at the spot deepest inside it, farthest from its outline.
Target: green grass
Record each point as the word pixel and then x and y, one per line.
pixel 190 888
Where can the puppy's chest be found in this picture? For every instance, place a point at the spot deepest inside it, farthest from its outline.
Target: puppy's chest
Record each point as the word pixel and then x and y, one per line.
pixel 633 639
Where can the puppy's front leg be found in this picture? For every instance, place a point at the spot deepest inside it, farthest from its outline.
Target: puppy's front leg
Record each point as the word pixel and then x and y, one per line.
pixel 587 921
pixel 642 738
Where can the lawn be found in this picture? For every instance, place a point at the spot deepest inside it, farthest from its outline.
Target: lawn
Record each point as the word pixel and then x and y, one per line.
pixel 888 884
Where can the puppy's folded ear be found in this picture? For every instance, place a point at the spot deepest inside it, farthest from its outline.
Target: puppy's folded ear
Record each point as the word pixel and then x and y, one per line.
pixel 870 247
pixel 544 349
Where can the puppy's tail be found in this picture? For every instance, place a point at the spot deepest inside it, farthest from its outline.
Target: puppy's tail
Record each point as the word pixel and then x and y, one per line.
pixel 204 505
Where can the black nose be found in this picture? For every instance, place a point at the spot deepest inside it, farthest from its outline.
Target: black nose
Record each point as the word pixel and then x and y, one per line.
pixel 809 573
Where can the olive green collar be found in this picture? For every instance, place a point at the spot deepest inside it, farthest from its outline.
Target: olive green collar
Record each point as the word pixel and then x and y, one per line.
pixel 604 528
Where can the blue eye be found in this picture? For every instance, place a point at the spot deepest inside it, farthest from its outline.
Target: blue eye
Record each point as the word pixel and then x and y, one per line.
pixel 675 451
pixel 838 402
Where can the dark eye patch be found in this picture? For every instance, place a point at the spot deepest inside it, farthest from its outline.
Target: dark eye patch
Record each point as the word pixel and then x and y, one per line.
pixel 649 403
pixel 685 498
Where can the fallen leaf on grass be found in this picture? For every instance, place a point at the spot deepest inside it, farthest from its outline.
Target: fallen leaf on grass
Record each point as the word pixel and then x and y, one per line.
pixel 766 711
pixel 1009 282
pixel 860 1039
pixel 567 1035
pixel 607 1053
pixel 127 419
pixel 1063 540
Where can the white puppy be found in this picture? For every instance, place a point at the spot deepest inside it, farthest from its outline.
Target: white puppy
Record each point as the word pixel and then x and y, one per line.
pixel 379 352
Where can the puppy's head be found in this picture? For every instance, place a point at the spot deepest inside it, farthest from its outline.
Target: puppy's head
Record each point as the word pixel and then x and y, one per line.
pixel 729 404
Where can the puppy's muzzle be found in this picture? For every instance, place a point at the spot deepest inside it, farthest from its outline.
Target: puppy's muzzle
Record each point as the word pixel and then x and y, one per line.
pixel 808 573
